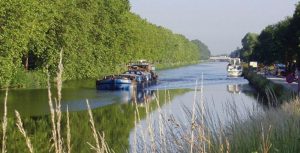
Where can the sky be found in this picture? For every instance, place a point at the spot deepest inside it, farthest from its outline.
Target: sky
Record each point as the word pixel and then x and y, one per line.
pixel 220 24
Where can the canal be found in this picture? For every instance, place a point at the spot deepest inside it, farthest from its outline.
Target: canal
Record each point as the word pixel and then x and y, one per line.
pixel 175 90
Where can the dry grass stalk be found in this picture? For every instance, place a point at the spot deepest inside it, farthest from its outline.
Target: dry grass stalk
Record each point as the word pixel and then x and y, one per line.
pixel 104 144
pixel 58 106
pixel 202 115
pixel 150 129
pixel 4 124
pixel 52 112
pixel 95 135
pixel 134 150
pixel 266 144
pixel 23 132
pixel 55 111
pixel 227 145
pixel 68 132
pixel 220 136
pixel 160 123
pixel 59 76
pixel 58 126
pixel 140 127
pixel 193 119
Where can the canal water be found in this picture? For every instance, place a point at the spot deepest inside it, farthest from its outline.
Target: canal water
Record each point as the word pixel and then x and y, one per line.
pixel 207 85
pixel 219 92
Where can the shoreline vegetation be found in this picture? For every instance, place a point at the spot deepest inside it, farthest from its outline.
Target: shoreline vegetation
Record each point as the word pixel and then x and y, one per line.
pixel 271 92
pixel 272 130
pixel 97 38
pixel 36 80
pixel 36 35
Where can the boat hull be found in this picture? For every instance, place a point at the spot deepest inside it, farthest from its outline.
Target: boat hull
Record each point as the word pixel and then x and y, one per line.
pixel 121 85
pixel 139 75
pixel 235 73
pixel 117 84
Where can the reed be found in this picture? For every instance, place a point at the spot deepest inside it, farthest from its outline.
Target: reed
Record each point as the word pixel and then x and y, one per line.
pixel 274 130
pixel 52 114
pixel 193 118
pixel 58 103
pixel 68 132
pixel 23 132
pixel 271 130
pixel 101 145
pixel 4 123
pixel 95 134
pixel 266 144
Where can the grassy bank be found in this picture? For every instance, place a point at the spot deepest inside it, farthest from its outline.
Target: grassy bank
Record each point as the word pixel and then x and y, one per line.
pixel 272 130
pixel 274 93
pixel 38 79
pixel 275 129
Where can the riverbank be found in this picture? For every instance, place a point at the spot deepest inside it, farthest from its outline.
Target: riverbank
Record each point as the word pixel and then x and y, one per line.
pixel 274 129
pixel 240 134
pixel 37 79
pixel 276 93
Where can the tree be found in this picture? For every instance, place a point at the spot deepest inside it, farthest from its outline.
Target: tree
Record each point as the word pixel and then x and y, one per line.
pixel 248 42
pixel 203 49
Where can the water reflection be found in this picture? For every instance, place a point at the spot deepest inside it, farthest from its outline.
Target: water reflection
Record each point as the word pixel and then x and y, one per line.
pixel 234 88
pixel 35 102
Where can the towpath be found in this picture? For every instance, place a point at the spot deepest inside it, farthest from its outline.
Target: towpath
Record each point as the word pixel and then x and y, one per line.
pixel 281 80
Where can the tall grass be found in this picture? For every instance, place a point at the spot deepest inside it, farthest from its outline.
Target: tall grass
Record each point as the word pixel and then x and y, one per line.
pixel 274 130
pixel 23 132
pixel 4 123
pixel 56 122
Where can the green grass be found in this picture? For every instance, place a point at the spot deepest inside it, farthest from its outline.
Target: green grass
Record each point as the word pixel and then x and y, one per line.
pixel 277 92
pixel 273 130
pixel 30 79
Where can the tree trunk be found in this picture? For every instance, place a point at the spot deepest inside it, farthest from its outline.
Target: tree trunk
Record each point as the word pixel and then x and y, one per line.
pixel 298 69
pixel 298 81
pixel 26 63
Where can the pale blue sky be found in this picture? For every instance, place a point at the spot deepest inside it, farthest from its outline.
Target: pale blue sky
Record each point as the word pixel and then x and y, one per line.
pixel 220 24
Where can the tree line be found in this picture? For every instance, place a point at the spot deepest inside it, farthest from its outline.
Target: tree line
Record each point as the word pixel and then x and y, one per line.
pixel 277 43
pixel 96 38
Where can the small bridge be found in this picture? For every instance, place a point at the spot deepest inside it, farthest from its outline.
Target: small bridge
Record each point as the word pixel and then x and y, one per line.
pixel 219 58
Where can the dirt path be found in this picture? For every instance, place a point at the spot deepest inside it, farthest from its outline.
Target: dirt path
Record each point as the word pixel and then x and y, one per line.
pixel 281 80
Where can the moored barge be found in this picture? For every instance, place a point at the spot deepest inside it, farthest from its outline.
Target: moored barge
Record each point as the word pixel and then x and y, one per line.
pixel 139 74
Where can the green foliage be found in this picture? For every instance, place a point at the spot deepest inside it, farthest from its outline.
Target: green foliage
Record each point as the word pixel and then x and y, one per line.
pixel 203 49
pixel 96 38
pixel 264 86
pixel 32 79
pixel 248 42
pixel 5 72
pixel 278 43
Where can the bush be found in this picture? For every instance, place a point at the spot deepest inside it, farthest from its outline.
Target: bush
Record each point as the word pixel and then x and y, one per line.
pixel 30 79
pixel 5 71
pixel 267 88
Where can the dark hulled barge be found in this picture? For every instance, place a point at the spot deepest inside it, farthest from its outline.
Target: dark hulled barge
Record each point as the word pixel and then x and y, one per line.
pixel 140 74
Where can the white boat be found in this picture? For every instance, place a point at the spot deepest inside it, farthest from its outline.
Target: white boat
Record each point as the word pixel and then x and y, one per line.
pixel 234 67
